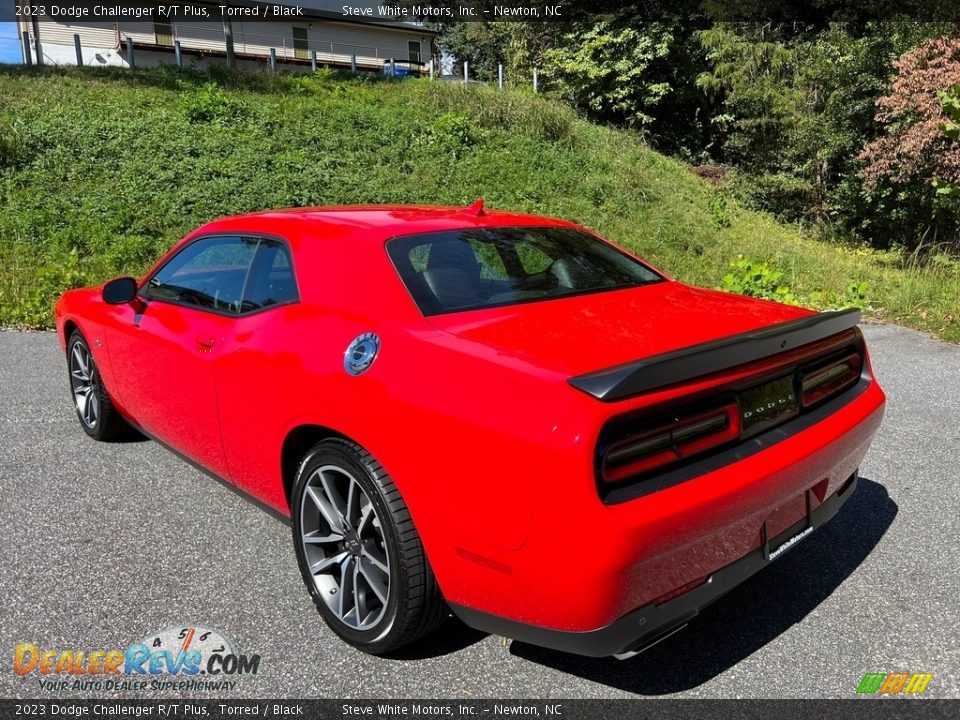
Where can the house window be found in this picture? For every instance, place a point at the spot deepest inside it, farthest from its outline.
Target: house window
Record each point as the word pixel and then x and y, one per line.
pixel 300 43
pixel 164 33
pixel 414 49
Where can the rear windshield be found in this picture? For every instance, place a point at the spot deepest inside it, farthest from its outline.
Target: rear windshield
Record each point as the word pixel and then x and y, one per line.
pixel 487 267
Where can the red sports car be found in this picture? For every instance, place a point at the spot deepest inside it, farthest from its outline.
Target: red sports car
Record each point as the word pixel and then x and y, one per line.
pixel 499 415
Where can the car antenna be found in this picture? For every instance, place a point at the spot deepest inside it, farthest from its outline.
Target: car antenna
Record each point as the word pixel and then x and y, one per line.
pixel 475 209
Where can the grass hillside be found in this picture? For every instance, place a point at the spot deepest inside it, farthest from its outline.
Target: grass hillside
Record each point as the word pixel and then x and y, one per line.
pixel 100 171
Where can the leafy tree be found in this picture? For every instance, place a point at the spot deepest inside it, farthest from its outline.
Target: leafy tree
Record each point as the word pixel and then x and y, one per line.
pixel 616 70
pixel 615 73
pixel 796 105
pixel 913 152
pixel 484 45
pixel 950 101
pixel 913 146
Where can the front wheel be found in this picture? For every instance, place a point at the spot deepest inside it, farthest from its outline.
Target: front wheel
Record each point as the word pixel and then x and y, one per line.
pixel 359 553
pixel 98 417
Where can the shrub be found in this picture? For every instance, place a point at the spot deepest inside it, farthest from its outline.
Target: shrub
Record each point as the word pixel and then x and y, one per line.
pixel 212 104
pixel 454 133
pixel 519 112
pixel 950 102
pixel 14 151
pixel 753 278
pixel 718 211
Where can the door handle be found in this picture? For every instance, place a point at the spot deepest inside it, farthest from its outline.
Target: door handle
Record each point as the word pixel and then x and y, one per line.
pixel 206 342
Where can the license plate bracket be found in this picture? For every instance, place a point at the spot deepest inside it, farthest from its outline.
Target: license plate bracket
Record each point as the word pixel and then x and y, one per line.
pixel 772 551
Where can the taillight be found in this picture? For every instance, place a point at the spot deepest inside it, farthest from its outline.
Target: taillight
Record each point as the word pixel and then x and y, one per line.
pixel 675 440
pixel 829 380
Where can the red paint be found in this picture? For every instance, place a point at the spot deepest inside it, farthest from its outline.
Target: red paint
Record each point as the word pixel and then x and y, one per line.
pixel 469 412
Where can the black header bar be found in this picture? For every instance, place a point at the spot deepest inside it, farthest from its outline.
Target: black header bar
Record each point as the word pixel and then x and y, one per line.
pixel 428 709
pixel 447 11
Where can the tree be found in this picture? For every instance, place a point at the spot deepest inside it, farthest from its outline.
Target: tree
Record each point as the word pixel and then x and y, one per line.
pixel 913 146
pixel 950 101
pixel 913 158
pixel 796 105
pixel 617 74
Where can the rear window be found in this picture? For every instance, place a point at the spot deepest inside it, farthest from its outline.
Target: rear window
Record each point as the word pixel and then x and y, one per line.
pixel 488 267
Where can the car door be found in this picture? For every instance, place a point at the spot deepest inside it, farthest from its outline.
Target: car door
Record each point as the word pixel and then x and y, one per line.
pixel 165 350
pixel 264 368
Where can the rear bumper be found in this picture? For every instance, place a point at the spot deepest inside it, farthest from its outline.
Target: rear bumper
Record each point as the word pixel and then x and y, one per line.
pixel 649 624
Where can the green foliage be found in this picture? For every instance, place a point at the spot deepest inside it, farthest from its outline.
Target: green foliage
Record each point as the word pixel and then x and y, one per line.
pixel 796 106
pixel 114 172
pixel 855 293
pixel 789 105
pixel 482 45
pixel 453 134
pixel 13 150
pixel 211 104
pixel 950 102
pixel 53 275
pixel 613 71
pixel 754 278
pixel 719 212
pixel 519 112
pixel 780 193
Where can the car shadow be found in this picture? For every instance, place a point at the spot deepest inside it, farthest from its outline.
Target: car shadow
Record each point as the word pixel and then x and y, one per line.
pixel 130 435
pixel 750 616
pixel 451 637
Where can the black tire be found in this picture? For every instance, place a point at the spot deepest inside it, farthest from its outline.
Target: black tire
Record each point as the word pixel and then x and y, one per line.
pixel 106 424
pixel 414 605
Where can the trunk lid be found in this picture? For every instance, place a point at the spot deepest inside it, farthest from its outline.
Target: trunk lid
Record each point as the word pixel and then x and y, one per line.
pixel 585 333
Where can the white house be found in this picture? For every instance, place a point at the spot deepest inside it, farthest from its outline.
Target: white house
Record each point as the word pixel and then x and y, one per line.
pixel 322 36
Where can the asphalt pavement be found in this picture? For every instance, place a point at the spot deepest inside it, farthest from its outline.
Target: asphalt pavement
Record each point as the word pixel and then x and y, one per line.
pixel 104 543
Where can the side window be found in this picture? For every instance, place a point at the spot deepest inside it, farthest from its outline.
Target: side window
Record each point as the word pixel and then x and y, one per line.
pixel 271 280
pixel 208 273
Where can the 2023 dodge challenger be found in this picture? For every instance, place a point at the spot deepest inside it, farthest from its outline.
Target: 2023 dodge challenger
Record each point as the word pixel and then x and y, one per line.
pixel 497 414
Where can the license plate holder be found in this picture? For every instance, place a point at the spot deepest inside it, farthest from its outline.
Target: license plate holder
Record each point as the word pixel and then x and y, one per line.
pixel 770 551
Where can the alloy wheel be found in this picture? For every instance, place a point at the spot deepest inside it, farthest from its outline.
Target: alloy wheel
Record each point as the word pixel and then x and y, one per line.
pixel 345 547
pixel 83 379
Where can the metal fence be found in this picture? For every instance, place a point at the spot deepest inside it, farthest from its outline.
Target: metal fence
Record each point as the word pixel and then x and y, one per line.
pixel 186 38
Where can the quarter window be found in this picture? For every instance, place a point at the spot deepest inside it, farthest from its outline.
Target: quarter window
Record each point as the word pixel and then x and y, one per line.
pixel 271 280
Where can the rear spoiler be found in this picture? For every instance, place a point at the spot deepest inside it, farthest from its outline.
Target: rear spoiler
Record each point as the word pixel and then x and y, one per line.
pixel 631 378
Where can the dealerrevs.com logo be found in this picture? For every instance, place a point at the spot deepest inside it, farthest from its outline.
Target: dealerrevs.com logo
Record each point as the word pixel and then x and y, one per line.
pixel 186 658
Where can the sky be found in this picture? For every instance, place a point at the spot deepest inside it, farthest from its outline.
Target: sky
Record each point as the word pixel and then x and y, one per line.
pixel 10 51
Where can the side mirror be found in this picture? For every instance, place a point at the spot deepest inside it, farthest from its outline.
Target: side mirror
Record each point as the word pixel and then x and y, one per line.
pixel 120 291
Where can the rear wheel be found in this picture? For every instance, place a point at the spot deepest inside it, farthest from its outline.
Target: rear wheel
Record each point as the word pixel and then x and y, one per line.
pixel 98 417
pixel 359 553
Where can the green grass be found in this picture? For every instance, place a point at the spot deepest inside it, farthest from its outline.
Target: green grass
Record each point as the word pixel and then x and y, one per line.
pixel 101 170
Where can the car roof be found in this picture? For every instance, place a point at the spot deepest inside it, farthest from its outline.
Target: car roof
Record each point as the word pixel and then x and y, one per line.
pixel 389 219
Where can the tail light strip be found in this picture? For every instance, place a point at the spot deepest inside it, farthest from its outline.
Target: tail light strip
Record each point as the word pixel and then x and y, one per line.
pixel 686 434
